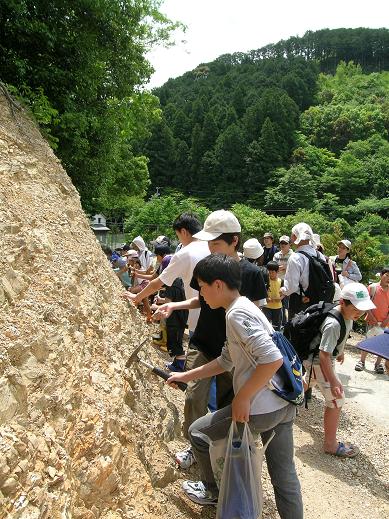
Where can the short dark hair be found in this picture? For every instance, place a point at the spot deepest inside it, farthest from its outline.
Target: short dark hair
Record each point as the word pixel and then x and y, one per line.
pixel 273 265
pixel 384 270
pixel 189 222
pixel 219 266
pixel 162 249
pixel 228 237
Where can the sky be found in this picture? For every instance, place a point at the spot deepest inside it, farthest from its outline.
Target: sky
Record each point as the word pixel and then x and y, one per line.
pixel 216 27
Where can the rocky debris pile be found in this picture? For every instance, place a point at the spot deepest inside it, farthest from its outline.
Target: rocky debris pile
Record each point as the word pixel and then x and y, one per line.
pixel 76 435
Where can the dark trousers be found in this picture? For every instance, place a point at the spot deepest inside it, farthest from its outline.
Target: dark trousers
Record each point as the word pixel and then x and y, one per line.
pixel 296 305
pixel 274 315
pixel 174 338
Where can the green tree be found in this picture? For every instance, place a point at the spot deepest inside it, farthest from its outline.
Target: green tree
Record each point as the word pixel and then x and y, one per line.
pixel 294 189
pixel 160 150
pixel 155 216
pixel 88 60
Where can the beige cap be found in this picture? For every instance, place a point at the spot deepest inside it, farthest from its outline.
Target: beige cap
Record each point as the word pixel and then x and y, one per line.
pixel 217 223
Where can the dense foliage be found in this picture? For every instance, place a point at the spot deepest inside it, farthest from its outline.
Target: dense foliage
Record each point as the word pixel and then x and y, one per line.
pixel 79 66
pixel 242 134
pixel 156 216
pixel 289 129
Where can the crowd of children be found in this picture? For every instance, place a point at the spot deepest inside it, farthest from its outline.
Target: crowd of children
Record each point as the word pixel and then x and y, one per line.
pixel 231 303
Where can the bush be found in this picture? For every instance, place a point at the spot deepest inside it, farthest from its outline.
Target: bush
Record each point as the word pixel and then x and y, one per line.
pixel 156 216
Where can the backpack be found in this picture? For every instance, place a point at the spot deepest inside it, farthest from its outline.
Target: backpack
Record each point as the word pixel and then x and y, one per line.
pixel 321 284
pixel 305 326
pixel 287 382
pixel 265 275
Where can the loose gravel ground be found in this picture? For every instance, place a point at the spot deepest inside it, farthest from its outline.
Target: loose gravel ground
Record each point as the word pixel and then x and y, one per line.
pixel 332 488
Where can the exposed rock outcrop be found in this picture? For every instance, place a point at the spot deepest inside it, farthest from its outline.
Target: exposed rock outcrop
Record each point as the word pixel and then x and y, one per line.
pixel 76 431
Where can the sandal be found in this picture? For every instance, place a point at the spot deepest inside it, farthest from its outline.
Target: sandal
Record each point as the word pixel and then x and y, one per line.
pixel 379 369
pixel 359 366
pixel 345 451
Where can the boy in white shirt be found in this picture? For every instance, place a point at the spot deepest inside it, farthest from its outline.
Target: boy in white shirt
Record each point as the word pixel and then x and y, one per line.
pixel 247 328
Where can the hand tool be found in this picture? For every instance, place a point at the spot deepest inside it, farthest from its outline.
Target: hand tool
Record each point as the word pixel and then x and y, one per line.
pixel 157 371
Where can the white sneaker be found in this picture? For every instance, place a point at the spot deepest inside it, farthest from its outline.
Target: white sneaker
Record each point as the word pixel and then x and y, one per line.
pixel 197 493
pixel 185 459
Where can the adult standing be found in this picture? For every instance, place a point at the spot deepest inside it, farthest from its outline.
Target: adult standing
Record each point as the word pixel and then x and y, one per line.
pixel 296 279
pixel 269 248
pixel 181 265
pixel 144 254
pixel 345 269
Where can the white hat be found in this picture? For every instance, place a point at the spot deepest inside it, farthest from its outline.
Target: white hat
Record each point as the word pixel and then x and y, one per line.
pixel 346 243
pixel 252 249
pixel 217 223
pixel 303 231
pixel 358 295
pixel 139 242
pixel 284 239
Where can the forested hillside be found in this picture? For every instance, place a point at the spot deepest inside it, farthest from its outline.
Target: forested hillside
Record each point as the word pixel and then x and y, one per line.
pixel 277 134
pixel 293 126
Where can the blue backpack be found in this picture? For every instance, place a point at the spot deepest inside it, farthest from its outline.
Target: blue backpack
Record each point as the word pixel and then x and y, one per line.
pixel 287 382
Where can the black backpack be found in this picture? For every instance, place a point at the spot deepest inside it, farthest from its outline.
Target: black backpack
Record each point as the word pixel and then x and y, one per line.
pixel 305 326
pixel 321 284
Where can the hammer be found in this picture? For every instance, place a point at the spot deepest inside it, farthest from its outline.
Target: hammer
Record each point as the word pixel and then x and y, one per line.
pixel 157 371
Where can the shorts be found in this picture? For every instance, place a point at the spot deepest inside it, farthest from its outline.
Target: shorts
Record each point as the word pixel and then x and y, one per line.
pixel 318 379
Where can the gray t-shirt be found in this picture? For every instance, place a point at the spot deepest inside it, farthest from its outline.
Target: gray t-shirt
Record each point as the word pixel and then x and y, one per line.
pixel 249 331
pixel 330 333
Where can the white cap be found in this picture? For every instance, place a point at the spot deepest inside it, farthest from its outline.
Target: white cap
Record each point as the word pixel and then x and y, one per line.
pixel 303 231
pixel 358 295
pixel 252 249
pixel 346 243
pixel 217 223
pixel 284 239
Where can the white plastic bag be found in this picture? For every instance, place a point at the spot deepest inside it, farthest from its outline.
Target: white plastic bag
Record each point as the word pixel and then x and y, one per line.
pixel 240 495
pixel 217 455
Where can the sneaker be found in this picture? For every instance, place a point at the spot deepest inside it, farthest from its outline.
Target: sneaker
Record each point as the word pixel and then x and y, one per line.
pixel 379 369
pixel 359 366
pixel 197 493
pixel 177 365
pixel 185 459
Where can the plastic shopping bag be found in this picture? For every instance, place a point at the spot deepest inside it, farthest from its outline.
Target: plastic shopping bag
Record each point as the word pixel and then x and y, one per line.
pixel 240 495
pixel 217 455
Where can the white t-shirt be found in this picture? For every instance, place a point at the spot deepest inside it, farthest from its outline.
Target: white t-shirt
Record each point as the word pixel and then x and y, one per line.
pixel 145 259
pixel 248 329
pixel 181 266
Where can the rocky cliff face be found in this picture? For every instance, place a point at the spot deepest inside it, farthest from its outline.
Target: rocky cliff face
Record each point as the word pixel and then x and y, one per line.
pixel 77 432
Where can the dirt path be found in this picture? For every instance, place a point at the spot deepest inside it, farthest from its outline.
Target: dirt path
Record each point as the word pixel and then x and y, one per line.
pixel 332 488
